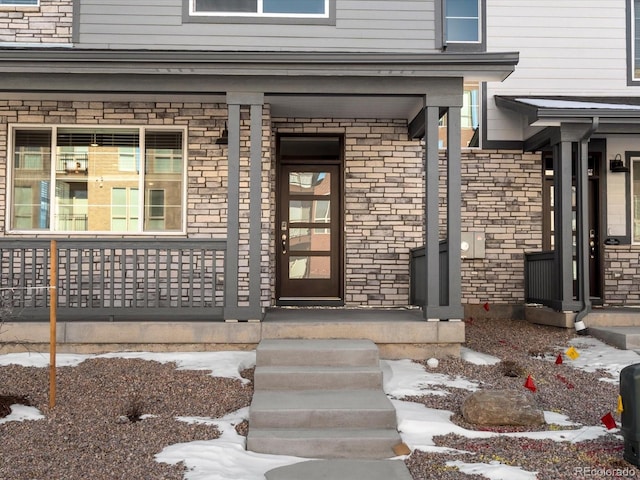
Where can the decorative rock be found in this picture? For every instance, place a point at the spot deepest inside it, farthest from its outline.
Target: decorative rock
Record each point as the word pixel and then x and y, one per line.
pixel 502 407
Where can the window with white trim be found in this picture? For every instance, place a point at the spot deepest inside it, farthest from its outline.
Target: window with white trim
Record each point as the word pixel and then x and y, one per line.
pixel 634 42
pixel 100 180
pixel 635 204
pixel 462 21
pixel 20 3
pixel 260 8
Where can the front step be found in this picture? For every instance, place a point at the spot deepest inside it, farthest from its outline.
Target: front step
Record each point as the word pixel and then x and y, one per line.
pixel 624 338
pixel 317 378
pixel 321 399
pixel 325 442
pixel 614 317
pixel 334 353
pixel 322 409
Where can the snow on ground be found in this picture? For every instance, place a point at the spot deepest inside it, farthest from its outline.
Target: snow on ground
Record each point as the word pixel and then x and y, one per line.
pixel 226 458
pixel 596 355
pixel 21 413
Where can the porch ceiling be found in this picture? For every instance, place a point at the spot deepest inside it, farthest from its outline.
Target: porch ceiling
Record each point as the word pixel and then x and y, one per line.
pixel 345 106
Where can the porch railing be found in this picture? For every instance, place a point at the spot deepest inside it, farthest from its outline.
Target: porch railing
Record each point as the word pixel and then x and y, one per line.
pixel 541 282
pixel 115 279
pixel 418 271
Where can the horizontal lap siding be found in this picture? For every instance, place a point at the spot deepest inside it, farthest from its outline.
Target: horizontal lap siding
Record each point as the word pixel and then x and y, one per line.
pixel 378 26
pixel 566 48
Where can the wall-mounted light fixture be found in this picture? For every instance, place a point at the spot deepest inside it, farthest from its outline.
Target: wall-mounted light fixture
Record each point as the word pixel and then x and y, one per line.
pixel 224 138
pixel 617 165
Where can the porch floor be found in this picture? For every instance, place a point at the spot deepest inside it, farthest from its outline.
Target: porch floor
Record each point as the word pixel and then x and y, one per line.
pixel 399 333
pixel 327 314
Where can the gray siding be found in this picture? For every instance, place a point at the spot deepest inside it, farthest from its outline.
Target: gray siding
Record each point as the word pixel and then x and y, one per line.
pixel 360 26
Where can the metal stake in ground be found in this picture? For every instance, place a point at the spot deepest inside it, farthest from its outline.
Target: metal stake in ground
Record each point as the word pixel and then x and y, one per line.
pixel 53 303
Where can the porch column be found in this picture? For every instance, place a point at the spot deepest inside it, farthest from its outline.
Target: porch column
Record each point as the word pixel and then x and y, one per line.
pixel 443 269
pixel 563 219
pixel 251 309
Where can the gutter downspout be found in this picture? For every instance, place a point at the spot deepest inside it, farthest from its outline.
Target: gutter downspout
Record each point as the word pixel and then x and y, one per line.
pixel 581 328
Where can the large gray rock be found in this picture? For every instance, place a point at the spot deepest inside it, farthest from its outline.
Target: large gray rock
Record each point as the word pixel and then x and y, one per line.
pixel 502 407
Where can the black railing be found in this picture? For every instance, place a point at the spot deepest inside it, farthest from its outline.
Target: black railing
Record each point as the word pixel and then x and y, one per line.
pixel 101 279
pixel 541 281
pixel 418 272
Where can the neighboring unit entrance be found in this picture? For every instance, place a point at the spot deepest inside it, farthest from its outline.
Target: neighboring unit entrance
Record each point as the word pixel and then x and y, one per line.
pixel 595 258
pixel 309 246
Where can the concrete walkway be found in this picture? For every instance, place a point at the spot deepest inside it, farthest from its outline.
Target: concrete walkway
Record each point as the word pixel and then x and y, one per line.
pixel 342 470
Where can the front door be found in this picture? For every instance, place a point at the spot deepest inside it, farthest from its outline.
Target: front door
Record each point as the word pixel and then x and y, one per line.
pixel 309 228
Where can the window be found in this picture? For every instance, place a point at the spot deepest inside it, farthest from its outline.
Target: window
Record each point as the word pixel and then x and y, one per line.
pixel 462 21
pixel 266 8
pixel 469 119
pixel 19 3
pixel 634 42
pixel 635 206
pixel 97 177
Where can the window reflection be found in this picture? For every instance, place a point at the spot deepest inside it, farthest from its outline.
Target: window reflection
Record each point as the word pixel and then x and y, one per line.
pixel 309 267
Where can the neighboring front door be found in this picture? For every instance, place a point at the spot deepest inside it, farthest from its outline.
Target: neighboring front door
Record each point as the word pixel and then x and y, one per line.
pixel 309 226
pixel 595 257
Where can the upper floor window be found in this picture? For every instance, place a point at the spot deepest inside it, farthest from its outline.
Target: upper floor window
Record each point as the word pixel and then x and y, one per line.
pixel 635 206
pixel 261 8
pixel 634 39
pixel 20 3
pixel 117 180
pixel 462 20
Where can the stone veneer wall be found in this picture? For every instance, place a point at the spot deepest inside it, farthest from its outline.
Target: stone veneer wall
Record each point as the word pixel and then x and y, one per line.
pixel 207 167
pixel 51 22
pixel 502 197
pixel 383 188
pixel 383 204
pixel 622 275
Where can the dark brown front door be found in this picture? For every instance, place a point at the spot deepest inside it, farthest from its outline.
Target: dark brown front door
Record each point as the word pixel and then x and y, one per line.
pixel 309 234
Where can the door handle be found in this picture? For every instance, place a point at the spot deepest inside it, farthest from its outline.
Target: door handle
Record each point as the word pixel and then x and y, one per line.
pixel 284 243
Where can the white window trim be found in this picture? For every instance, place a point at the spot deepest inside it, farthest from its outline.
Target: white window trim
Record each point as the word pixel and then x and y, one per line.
pixel 259 13
pixel 19 5
pixel 632 43
pixel 632 162
pixel 54 133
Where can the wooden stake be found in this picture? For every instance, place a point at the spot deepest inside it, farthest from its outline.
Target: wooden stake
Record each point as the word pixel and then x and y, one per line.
pixel 53 304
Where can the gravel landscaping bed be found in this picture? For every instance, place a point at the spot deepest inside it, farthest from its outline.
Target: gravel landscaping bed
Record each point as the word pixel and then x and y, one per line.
pixel 95 431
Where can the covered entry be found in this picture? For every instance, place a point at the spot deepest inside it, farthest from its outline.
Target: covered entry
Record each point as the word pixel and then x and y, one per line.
pixel 309 220
pixel 587 139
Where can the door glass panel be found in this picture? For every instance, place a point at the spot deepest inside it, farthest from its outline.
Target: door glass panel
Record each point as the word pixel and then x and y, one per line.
pixel 308 239
pixel 310 267
pixel 310 183
pixel 307 211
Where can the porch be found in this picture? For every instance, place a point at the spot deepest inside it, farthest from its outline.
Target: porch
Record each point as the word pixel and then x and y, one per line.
pixel 161 295
pixel 398 333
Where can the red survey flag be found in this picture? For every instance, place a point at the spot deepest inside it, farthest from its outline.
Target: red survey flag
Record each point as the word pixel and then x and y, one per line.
pixel 530 385
pixel 609 421
pixel 559 359
pixel 486 306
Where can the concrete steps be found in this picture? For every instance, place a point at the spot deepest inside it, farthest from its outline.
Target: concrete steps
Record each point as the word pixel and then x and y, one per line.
pixel 321 399
pixel 317 378
pixel 617 327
